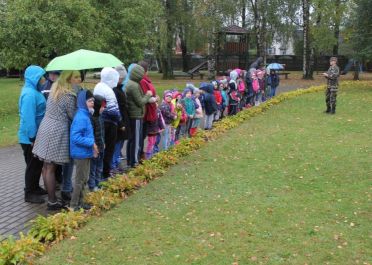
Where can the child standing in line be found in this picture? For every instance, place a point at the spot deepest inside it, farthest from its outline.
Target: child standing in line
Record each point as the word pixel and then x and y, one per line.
pixel 82 147
pixel 169 115
pixel 181 119
pixel 189 106
pixel 233 93
pixel 96 163
pixel 198 113
pixel 225 102
pixel 209 104
pixel 218 97
pixel 154 129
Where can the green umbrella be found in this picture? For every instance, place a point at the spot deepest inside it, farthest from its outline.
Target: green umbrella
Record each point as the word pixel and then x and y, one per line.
pixel 83 59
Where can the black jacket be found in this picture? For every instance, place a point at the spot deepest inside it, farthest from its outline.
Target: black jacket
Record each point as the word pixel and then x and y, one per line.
pixel 121 97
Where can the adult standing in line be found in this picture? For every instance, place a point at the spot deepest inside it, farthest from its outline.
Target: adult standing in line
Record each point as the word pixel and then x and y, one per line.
pixel 124 127
pixel 52 145
pixel 110 115
pixel 136 103
pixel 150 116
pixel 332 85
pixel 32 106
pixel 51 77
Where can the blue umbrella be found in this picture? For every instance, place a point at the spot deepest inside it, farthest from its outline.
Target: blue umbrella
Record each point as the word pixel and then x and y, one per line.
pixel 275 66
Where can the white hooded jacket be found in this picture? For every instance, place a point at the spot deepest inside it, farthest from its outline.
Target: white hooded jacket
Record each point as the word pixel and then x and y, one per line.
pixel 109 80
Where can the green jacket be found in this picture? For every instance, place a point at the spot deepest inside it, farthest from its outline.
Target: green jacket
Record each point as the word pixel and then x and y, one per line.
pixel 135 97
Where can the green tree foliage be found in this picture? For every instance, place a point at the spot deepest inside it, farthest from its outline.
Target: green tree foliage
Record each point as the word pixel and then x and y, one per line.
pixel 361 36
pixel 34 31
pixel 126 26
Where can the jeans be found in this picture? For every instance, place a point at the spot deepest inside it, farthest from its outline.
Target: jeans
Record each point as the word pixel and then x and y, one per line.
pixel 208 121
pixel 166 136
pixel 33 169
pixel 273 91
pixel 117 154
pixel 67 170
pixel 95 174
pixel 156 145
pixel 81 178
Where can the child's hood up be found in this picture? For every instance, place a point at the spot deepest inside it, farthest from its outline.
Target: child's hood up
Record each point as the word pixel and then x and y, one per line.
pixel 110 77
pixel 82 98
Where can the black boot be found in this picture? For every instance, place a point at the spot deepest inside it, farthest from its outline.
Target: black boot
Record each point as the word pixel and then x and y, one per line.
pixel 328 110
pixel 333 111
pixel 33 198
pixel 66 196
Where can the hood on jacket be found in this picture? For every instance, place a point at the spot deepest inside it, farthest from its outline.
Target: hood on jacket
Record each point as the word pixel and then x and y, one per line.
pixel 207 87
pixel 185 91
pixel 234 75
pixel 136 74
pixel 110 77
pixel 125 82
pixel 33 74
pixel 82 98
pixel 256 63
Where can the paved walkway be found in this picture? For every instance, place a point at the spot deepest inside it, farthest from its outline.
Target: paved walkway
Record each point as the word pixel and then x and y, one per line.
pixel 15 214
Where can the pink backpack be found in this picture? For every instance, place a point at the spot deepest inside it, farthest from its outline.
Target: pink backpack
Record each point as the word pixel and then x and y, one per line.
pixel 255 85
pixel 241 87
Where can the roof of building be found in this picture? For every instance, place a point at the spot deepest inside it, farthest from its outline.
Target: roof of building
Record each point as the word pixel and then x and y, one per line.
pixel 234 29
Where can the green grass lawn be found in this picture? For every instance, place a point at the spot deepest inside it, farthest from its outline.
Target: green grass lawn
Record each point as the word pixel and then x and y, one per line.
pixel 291 186
pixel 9 120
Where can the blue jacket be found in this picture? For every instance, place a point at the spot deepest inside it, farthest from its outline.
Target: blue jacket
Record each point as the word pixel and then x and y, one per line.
pixel 31 105
pixel 210 104
pixel 81 136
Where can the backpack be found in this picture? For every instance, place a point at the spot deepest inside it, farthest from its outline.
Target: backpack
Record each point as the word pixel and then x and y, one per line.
pixel 255 85
pixel 241 86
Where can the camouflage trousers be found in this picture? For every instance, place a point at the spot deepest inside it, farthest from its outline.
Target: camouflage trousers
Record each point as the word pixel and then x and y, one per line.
pixel 331 96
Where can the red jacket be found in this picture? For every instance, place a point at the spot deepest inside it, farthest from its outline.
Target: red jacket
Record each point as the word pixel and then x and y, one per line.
pixel 150 108
pixel 218 96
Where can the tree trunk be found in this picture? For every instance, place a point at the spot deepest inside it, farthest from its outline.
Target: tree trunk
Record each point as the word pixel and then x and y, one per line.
pixel 166 60
pixel 356 70
pixel 337 26
pixel 243 15
pixel 307 73
pixel 185 63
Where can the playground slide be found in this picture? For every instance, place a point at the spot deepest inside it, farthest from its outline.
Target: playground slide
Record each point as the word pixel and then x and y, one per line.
pixel 196 69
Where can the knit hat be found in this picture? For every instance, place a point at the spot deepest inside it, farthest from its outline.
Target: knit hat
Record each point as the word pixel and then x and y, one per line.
pixel 333 59
pixel 167 93
pixel 89 95
pixel 196 90
pixel 185 91
pixel 176 94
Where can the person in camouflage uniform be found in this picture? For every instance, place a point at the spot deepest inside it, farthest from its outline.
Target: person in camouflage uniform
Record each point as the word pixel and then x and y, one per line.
pixel 332 85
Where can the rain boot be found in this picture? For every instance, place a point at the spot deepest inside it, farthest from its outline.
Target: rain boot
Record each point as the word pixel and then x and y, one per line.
pixel 328 110
pixel 333 111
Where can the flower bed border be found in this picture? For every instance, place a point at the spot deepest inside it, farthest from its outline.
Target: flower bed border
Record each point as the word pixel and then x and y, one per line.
pixel 46 231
